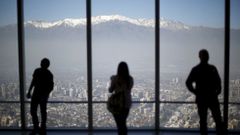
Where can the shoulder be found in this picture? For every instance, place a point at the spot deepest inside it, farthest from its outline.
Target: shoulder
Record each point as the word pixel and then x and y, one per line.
pixel 213 68
pixel 196 68
pixel 131 81
pixel 113 77
pixel 49 72
pixel 36 71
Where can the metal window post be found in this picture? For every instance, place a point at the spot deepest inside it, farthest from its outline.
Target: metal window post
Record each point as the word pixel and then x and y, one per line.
pixel 20 26
pixel 89 65
pixel 157 67
pixel 226 63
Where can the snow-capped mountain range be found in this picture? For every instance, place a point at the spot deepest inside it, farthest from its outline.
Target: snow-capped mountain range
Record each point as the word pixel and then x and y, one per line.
pixel 68 22
pixel 64 41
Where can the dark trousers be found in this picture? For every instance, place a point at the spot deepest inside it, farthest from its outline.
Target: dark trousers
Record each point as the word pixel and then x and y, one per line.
pixel 121 121
pixel 43 109
pixel 214 107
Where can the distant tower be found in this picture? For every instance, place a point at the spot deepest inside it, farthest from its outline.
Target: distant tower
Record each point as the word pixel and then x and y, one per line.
pixel 3 93
pixel 71 92
pixel 177 80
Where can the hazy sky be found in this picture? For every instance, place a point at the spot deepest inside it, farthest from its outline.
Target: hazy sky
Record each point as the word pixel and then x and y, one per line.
pixel 192 12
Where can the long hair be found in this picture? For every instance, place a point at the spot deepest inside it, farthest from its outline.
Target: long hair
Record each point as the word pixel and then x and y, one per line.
pixel 123 72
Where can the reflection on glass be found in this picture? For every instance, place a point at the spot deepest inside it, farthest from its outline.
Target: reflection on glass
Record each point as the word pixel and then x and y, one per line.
pixel 62 39
pixel 10 115
pixel 140 116
pixel 63 115
pixel 123 33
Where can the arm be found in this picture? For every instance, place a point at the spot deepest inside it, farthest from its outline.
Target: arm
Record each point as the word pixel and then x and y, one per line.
pixel 30 89
pixel 218 83
pixel 190 81
pixel 131 82
pixel 31 86
pixel 51 83
pixel 112 85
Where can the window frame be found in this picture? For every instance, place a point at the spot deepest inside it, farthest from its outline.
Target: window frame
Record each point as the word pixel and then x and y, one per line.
pixel 22 77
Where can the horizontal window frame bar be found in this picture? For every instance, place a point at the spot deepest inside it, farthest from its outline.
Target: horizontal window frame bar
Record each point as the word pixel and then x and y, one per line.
pixel 100 102
pixel 162 129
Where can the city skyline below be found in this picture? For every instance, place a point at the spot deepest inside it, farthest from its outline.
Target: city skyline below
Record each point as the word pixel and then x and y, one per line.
pixel 124 38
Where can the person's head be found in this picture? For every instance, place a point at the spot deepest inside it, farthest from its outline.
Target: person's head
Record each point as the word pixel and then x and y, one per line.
pixel 123 70
pixel 45 63
pixel 204 56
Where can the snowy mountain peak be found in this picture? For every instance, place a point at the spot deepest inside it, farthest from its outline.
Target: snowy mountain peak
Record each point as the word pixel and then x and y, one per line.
pixel 69 22
pixel 173 25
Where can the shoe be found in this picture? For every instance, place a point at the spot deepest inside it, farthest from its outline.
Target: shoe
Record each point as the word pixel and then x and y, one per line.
pixel 43 129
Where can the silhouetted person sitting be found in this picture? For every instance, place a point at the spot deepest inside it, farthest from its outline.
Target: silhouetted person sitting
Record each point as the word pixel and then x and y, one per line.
pixel 122 83
pixel 43 84
pixel 205 83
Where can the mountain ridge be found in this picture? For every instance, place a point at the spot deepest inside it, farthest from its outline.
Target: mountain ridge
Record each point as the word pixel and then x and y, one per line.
pixel 70 22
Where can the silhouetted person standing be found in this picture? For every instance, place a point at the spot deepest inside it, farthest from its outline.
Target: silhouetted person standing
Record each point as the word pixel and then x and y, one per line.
pixel 122 82
pixel 205 83
pixel 43 85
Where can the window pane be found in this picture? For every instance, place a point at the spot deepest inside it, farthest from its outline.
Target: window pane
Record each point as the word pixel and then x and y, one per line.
pixel 10 115
pixel 122 32
pixel 63 115
pixel 56 29
pixel 141 116
pixel 182 116
pixel 186 27
pixel 9 83
pixel 234 82
pixel 233 118
pixel 102 118
pixel 179 116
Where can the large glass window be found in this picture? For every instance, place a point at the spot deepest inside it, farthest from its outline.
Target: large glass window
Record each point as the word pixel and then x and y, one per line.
pixel 234 82
pixel 187 26
pixel 123 30
pixel 56 30
pixel 9 83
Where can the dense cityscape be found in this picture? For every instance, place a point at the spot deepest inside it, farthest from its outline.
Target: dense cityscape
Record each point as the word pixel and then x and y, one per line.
pixel 74 88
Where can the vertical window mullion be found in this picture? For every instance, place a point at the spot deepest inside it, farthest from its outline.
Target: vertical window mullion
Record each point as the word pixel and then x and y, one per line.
pixel 226 62
pixel 20 21
pixel 157 61
pixel 89 65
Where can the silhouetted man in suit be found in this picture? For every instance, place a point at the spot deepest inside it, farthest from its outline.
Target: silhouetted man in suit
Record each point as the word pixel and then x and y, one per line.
pixel 43 84
pixel 205 83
